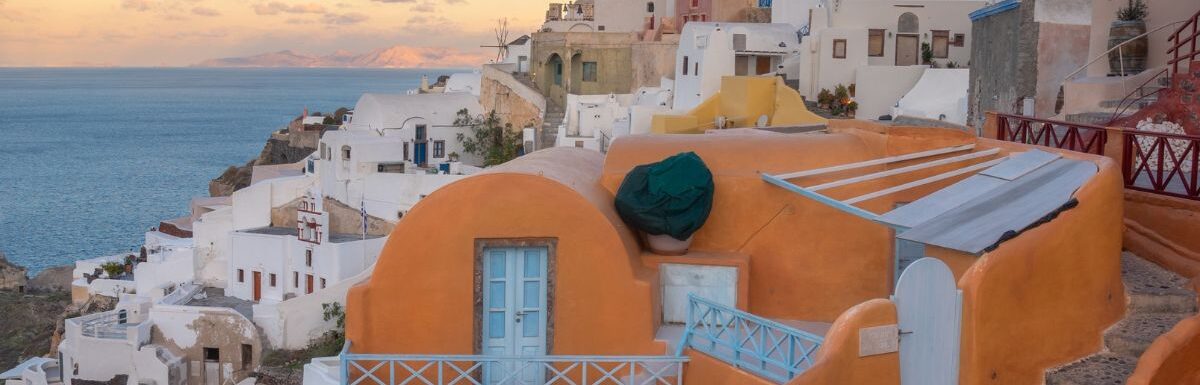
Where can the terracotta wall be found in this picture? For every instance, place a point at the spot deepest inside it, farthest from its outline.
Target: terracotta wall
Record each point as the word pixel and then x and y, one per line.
pixel 1163 229
pixel 808 261
pixel 1043 299
pixel 1171 360
pixel 838 361
pixel 421 297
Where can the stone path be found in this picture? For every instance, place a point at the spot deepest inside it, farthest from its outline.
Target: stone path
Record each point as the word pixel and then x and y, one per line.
pixel 1158 299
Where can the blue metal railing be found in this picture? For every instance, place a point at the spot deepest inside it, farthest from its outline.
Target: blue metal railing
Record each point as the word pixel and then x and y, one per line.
pixel 759 345
pixel 399 369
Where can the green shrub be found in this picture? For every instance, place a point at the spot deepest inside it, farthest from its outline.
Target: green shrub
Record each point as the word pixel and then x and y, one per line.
pixel 1136 10
pixel 114 269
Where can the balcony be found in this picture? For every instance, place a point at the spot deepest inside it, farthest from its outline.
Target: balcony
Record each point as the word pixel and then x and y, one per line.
pixel 388 369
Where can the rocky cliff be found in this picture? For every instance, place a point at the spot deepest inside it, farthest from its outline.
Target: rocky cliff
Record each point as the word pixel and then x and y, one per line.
pixel 286 146
pixel 12 277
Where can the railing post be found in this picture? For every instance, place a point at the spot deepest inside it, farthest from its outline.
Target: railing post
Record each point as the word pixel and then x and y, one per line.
pixel 991 126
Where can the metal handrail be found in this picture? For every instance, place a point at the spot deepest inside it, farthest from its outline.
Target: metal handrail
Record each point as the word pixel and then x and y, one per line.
pixel 1194 21
pixel 393 369
pixel 1122 107
pixel 764 347
pixel 1118 46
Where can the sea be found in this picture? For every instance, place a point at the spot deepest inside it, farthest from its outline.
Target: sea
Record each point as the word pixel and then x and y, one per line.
pixel 91 158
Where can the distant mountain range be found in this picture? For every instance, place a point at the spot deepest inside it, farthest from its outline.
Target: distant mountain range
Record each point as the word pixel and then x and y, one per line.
pixel 398 56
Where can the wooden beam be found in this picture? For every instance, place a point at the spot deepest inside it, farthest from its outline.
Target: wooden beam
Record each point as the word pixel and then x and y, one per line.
pixel 821 198
pixel 922 182
pixel 902 170
pixel 876 162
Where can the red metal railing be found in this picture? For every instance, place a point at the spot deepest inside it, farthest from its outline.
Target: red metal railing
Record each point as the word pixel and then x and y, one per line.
pixel 1161 163
pixel 1068 136
pixel 1129 100
pixel 1183 49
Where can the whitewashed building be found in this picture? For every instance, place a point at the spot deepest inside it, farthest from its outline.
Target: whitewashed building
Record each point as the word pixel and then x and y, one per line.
pixel 517 53
pixel 620 16
pixel 711 51
pixel 593 121
pixel 841 37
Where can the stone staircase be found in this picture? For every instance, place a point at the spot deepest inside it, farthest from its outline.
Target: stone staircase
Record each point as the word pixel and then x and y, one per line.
pixel 550 122
pixel 1158 299
pixel 1108 108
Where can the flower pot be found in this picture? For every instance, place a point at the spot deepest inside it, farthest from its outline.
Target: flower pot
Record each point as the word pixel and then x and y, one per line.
pixel 667 245
pixel 1130 59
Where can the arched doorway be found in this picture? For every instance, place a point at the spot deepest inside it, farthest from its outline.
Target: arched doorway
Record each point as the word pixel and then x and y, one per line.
pixel 552 79
pixel 908 40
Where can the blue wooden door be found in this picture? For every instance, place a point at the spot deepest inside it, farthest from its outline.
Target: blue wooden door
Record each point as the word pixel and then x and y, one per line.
pixel 514 320
pixel 929 306
pixel 419 154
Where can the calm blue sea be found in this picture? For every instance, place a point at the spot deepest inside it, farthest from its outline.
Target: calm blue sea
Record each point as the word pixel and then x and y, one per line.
pixel 92 158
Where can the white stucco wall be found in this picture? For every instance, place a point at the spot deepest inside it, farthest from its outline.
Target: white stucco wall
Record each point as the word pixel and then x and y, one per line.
pixel 708 49
pixel 879 88
pixel 210 235
pixel 294 323
pixel 941 94
pixel 285 256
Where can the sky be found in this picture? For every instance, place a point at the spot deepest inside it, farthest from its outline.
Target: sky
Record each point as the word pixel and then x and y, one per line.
pixel 151 33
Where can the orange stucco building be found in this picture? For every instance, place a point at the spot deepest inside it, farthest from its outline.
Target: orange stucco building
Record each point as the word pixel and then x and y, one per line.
pixel 1039 299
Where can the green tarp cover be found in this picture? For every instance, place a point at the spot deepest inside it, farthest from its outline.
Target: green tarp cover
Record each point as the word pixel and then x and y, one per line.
pixel 670 197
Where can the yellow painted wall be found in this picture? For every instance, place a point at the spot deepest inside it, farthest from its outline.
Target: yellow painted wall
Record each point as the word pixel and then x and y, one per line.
pixel 742 100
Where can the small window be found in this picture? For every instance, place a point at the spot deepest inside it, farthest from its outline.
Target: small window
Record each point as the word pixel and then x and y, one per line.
pixel 696 68
pixel 685 65
pixel 941 44
pixel 345 152
pixel 422 131
pixel 650 7
pixel 272 279
pixel 322 283
pixel 296 279
pixel 589 71
pixel 439 149
pixel 959 40
pixel 839 48
pixel 579 143
pixel 212 355
pixel 247 356
pixel 695 3
pixel 739 42
pixel 241 276
pixel 122 317
pixel 308 257
pixel 875 42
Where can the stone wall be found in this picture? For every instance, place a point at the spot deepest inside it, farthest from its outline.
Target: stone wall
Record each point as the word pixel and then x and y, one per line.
pixel 654 60
pixel 1003 62
pixel 343 219
pixel 514 102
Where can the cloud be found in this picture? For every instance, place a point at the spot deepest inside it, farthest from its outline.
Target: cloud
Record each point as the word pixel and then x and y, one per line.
pixel 136 5
pixel 275 8
pixel 425 7
pixel 203 11
pixel 346 18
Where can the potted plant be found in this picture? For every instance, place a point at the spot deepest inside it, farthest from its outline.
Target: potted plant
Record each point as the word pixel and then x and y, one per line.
pixel 927 54
pixel 113 269
pixel 667 201
pixel 453 156
pixel 824 98
pixel 1130 58
pixel 851 108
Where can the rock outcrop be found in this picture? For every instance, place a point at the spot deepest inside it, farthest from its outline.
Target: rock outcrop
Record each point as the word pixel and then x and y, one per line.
pixel 12 277
pixel 56 278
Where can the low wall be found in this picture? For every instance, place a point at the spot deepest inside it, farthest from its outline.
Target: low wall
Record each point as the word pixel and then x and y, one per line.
pixel 1044 298
pixel 1172 358
pixel 1163 229
pixel 838 361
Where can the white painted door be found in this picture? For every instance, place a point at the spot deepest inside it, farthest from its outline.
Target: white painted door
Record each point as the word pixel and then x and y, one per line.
pixel 929 306
pixel 514 319
pixel 212 373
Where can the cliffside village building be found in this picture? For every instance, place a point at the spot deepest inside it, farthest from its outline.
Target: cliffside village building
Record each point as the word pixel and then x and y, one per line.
pixel 940 238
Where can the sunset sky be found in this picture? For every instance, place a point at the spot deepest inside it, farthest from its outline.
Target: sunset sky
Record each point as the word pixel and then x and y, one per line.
pixel 184 32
